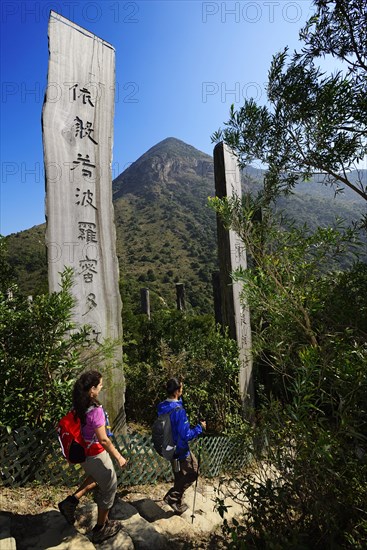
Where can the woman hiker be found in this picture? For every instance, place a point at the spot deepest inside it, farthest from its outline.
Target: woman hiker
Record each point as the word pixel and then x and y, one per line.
pixel 98 464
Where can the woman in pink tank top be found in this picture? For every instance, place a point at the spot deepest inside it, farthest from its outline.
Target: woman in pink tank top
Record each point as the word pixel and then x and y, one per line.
pixel 98 464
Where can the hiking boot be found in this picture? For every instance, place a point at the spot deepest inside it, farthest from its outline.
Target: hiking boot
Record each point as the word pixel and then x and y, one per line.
pixel 67 507
pixel 168 500
pixel 110 529
pixel 179 508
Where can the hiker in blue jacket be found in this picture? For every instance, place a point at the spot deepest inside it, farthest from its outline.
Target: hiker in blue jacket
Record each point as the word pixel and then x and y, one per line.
pixel 184 463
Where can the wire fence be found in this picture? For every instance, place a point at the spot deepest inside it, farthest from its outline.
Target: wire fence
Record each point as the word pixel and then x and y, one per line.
pixel 35 456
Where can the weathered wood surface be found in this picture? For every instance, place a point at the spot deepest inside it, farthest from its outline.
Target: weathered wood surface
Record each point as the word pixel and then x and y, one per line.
pixel 77 123
pixel 232 256
pixel 217 298
pixel 180 297
pixel 145 301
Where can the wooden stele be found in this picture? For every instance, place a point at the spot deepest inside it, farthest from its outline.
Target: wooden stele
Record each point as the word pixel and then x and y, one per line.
pixel 180 296
pixel 77 124
pixel 232 255
pixel 217 298
pixel 145 301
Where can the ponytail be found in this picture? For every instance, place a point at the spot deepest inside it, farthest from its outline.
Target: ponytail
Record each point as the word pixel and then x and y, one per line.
pixel 81 398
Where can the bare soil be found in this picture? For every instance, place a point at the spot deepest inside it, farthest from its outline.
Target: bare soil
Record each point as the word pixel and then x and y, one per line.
pixel 35 499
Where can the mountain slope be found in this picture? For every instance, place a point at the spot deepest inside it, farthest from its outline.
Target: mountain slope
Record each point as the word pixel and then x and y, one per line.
pixel 165 231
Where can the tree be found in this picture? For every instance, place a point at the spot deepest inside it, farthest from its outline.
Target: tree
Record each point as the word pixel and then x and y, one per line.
pixel 188 346
pixel 41 354
pixel 306 484
pixel 6 271
pixel 315 123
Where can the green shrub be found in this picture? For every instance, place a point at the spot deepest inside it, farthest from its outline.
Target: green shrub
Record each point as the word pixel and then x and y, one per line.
pixel 306 487
pixel 41 354
pixel 175 344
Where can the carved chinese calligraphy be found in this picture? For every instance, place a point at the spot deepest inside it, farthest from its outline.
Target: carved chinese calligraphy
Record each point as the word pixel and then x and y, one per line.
pixel 85 164
pixel 77 132
pixel 87 232
pixel 232 256
pixel 84 129
pixel 83 93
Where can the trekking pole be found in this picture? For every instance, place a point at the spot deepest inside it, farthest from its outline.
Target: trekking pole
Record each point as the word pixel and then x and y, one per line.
pixel 196 483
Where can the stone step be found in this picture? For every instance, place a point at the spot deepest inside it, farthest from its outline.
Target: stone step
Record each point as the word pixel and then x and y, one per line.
pixel 146 524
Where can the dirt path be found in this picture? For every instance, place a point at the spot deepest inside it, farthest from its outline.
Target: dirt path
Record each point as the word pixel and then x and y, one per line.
pixel 33 500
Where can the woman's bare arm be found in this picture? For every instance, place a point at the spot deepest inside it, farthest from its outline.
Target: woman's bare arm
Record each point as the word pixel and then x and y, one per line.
pixel 109 446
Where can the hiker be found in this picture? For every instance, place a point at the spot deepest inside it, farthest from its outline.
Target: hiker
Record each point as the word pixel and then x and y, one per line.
pixel 184 463
pixel 98 464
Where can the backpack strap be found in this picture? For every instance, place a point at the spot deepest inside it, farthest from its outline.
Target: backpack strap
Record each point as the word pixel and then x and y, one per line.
pixel 94 440
pixel 170 412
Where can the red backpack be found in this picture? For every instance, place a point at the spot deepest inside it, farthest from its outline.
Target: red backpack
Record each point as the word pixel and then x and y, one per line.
pixel 72 444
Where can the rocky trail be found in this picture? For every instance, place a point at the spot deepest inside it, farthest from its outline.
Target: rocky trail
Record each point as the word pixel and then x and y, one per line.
pixel 30 520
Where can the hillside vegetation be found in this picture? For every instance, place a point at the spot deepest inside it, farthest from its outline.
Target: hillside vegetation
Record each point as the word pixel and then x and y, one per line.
pixel 166 233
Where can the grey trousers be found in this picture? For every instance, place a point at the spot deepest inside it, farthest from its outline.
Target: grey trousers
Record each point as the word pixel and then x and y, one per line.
pixel 102 470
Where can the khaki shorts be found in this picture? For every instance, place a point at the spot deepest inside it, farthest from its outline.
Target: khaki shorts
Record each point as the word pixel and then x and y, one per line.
pixel 101 469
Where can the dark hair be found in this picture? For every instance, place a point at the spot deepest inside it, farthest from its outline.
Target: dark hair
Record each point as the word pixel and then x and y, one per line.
pixel 172 385
pixel 81 399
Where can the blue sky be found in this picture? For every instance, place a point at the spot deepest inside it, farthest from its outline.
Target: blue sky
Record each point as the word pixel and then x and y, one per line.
pixel 179 67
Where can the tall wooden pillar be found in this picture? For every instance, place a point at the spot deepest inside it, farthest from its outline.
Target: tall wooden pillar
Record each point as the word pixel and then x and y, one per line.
pixel 77 124
pixel 232 256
